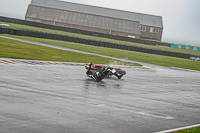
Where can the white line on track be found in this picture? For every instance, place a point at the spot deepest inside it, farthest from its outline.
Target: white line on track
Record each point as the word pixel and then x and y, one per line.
pixel 133 111
pixel 178 129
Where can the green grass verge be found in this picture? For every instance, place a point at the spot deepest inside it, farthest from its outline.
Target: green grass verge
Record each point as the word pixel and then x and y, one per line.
pixel 192 130
pixel 18 26
pixel 16 49
pixel 138 56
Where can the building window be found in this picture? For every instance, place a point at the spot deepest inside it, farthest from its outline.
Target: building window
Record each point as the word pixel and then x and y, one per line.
pixel 154 30
pixel 153 22
pixel 127 18
pixel 142 28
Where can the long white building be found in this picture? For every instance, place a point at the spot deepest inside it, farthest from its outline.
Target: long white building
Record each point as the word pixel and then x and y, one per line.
pixel 95 18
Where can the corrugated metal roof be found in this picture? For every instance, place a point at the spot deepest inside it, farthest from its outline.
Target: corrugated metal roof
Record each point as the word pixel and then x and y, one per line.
pixel 144 19
pixel 83 19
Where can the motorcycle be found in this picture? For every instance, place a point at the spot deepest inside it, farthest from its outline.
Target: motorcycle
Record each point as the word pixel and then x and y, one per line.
pixel 98 67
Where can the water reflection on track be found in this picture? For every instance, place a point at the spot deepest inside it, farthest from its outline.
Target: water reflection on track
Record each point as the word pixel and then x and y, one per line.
pixel 61 98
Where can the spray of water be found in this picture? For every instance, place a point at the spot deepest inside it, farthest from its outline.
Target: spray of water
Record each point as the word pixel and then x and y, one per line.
pixel 115 62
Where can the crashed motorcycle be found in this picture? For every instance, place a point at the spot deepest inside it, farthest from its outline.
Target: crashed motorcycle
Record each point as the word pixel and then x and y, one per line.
pixel 111 71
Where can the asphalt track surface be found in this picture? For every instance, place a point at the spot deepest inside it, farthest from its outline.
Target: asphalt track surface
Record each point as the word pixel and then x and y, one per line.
pixel 58 97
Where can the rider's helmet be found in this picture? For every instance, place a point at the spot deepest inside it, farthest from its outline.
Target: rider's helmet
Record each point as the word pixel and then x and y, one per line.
pixel 87 66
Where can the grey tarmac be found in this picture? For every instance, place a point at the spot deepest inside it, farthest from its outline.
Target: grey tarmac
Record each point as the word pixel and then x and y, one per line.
pixel 47 97
pixel 58 97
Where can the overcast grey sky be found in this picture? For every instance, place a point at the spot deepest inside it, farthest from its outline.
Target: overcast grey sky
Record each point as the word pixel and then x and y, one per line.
pixel 181 18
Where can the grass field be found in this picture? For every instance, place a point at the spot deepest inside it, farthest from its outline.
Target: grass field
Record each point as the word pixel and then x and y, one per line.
pixel 149 58
pixel 16 49
pixel 100 38
pixel 192 130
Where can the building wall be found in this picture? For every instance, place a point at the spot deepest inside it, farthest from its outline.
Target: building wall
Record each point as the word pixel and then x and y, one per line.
pixel 83 19
pixel 84 28
pixel 148 35
pixel 53 12
pixel 145 19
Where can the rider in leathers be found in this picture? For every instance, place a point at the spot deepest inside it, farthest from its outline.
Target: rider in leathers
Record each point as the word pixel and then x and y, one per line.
pixel 99 75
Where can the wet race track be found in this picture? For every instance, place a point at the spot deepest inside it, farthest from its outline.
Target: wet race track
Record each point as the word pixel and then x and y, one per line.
pixel 56 98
